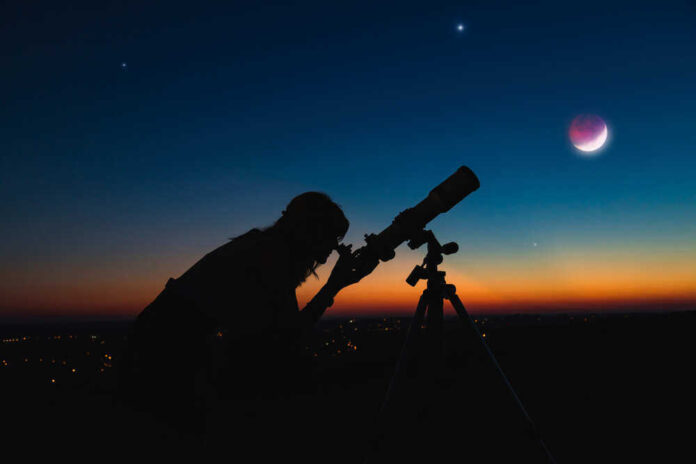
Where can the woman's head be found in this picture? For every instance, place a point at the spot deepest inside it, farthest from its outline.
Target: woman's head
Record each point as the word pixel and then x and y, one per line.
pixel 314 226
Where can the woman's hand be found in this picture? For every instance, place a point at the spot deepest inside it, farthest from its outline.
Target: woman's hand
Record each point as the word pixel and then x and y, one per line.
pixel 349 269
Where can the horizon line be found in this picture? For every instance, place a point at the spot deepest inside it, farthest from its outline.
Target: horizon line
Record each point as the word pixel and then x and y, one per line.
pixel 42 315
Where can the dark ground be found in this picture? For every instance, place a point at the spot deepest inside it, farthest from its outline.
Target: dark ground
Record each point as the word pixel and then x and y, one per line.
pixel 617 388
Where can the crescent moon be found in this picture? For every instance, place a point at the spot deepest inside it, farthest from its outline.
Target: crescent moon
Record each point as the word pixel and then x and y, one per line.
pixel 594 144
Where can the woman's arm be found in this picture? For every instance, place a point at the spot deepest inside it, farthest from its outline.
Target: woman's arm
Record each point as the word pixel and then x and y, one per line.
pixel 345 272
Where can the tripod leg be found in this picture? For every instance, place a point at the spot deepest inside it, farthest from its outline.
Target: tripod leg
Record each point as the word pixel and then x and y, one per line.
pixel 470 325
pixel 405 365
pixel 433 346
pixel 434 328
pixel 387 416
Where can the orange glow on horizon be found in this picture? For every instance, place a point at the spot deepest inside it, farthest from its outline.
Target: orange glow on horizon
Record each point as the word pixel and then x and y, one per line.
pixel 570 280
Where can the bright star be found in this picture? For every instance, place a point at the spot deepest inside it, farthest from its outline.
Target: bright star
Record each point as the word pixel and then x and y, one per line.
pixel 460 27
pixel 124 65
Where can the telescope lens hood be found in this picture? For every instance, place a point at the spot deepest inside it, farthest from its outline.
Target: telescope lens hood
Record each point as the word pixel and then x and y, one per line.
pixel 455 188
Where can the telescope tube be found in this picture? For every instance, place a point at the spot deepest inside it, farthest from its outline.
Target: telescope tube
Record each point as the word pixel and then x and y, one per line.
pixel 440 199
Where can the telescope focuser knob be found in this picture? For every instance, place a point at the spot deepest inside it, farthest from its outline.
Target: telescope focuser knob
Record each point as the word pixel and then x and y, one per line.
pixel 418 239
pixel 383 252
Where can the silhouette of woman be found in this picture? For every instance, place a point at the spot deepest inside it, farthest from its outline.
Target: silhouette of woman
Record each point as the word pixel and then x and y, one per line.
pixel 233 319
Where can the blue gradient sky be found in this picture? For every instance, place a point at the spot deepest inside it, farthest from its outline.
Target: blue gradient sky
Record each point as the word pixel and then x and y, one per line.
pixel 114 178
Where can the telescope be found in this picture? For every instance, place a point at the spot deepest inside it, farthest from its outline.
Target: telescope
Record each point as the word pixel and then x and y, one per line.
pixel 422 354
pixel 408 224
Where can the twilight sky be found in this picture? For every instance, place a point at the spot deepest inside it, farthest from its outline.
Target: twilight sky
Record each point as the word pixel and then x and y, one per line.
pixel 138 136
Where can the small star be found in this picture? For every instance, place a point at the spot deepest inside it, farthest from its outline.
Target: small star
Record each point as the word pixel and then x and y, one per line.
pixel 124 65
pixel 460 27
pixel 535 244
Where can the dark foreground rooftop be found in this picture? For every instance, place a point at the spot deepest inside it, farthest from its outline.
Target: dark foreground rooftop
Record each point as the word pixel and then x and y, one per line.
pixel 612 388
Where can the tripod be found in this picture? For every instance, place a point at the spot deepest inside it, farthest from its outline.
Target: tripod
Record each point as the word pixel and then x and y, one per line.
pixel 422 351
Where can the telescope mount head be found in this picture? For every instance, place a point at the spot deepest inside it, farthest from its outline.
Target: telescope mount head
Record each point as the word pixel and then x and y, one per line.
pixel 428 270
